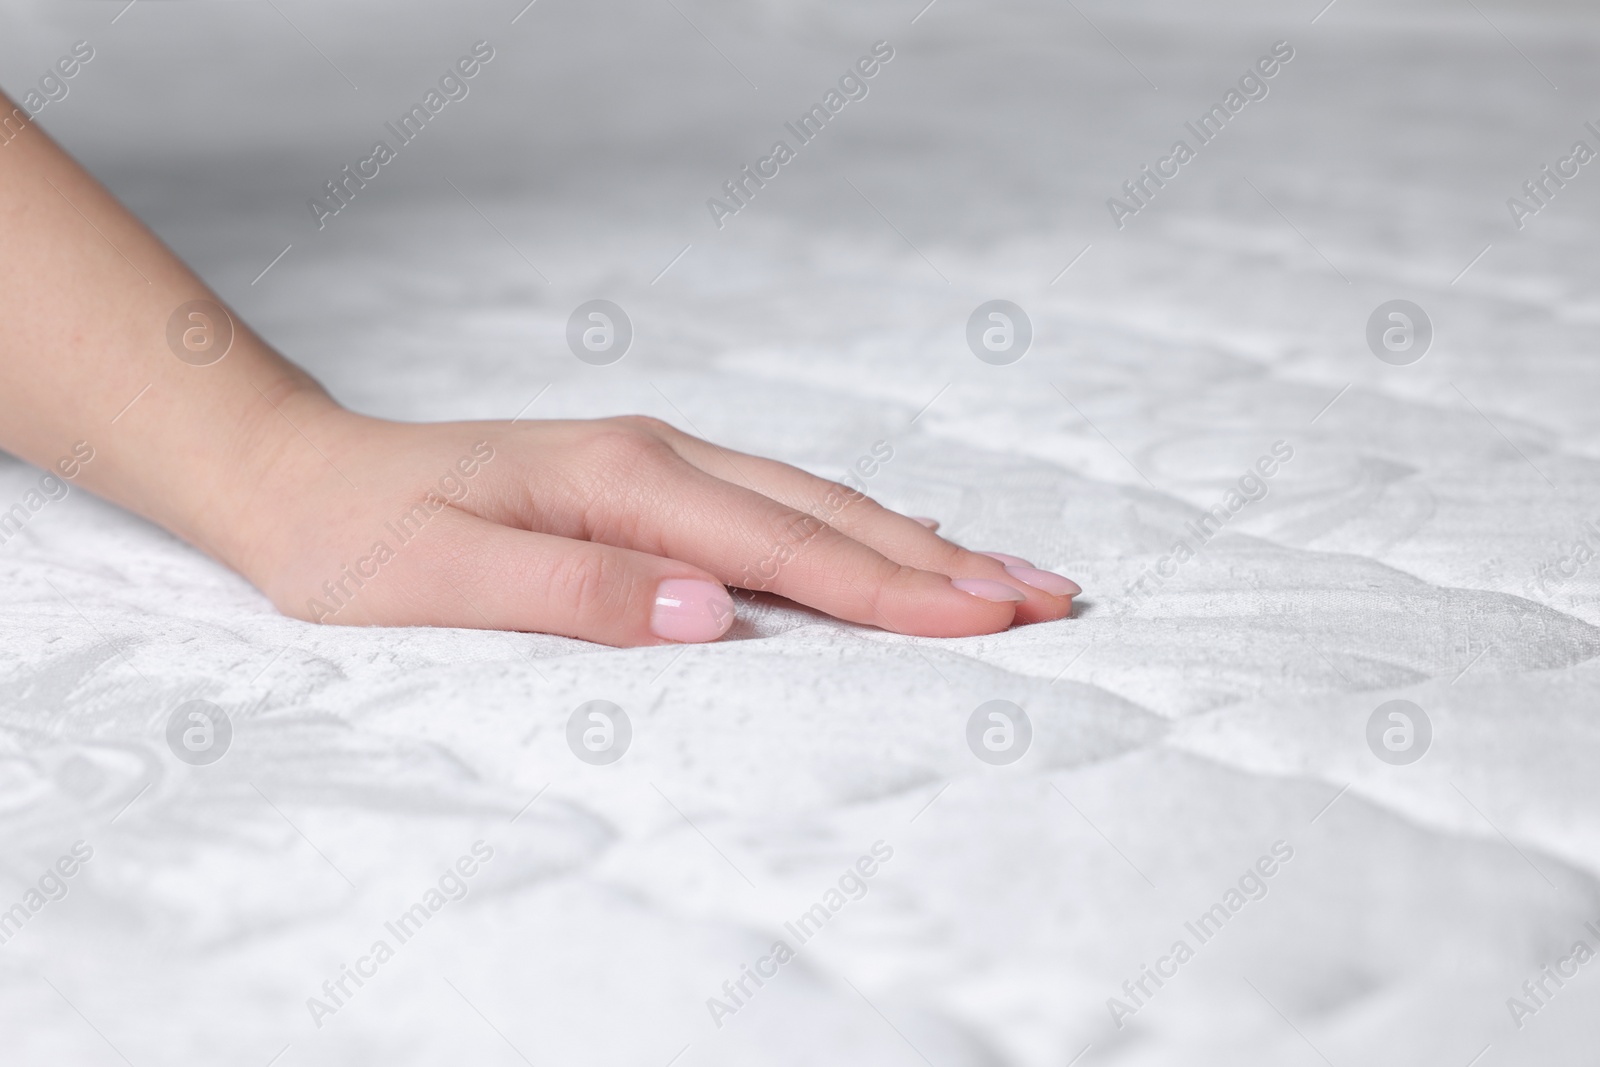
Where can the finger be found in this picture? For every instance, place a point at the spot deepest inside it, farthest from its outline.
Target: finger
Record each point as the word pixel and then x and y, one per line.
pixel 750 540
pixel 470 572
pixel 899 537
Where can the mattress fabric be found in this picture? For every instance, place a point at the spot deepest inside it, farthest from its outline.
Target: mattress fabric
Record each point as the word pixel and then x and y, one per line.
pixel 1217 845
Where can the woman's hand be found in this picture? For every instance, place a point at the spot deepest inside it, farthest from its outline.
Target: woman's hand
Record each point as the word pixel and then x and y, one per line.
pixel 623 531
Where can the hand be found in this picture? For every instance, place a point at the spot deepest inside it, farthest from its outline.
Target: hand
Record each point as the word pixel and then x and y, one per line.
pixel 623 531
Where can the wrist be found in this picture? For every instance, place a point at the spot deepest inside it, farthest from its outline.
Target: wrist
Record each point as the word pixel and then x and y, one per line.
pixel 269 449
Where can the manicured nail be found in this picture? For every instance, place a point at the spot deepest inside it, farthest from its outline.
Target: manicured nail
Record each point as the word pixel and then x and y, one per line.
pixel 984 589
pixel 1009 561
pixel 1048 581
pixel 932 524
pixel 689 610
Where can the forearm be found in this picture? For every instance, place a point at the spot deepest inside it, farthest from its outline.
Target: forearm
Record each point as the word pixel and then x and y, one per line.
pixel 86 296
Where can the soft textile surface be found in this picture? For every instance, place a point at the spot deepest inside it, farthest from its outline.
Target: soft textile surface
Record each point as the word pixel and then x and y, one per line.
pixel 1419 545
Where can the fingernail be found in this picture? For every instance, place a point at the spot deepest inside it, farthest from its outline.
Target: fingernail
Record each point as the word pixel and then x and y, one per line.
pixel 1010 561
pixel 689 610
pixel 1048 581
pixel 932 524
pixel 984 589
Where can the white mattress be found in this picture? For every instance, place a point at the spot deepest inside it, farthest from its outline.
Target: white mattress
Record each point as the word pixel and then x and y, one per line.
pixel 1177 738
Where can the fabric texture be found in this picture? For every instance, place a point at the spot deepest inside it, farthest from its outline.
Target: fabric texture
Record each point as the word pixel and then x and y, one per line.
pixel 1428 539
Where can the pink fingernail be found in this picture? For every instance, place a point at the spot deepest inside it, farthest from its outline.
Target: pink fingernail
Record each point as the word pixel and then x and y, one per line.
pixel 932 524
pixel 1048 581
pixel 984 589
pixel 689 610
pixel 1010 561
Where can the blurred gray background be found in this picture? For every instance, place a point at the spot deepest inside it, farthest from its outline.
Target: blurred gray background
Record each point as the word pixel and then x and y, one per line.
pixel 602 128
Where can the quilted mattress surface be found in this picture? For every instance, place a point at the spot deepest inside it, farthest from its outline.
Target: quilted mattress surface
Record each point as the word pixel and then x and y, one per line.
pixel 1211 835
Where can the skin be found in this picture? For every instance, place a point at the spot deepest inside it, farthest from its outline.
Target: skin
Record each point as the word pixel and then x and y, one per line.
pixel 571 527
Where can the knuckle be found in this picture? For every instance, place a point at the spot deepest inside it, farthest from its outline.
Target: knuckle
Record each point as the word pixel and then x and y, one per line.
pixel 622 448
pixel 839 495
pixel 955 558
pixel 588 584
pixel 781 538
pixel 836 500
pixel 878 583
pixel 647 424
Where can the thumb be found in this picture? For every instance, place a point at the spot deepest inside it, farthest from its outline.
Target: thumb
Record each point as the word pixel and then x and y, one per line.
pixel 470 572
